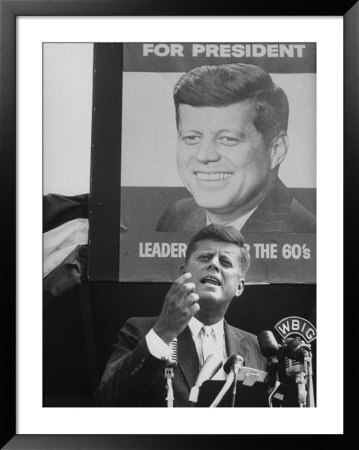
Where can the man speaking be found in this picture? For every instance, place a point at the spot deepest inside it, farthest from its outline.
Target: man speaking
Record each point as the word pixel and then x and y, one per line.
pixel 193 314
pixel 232 124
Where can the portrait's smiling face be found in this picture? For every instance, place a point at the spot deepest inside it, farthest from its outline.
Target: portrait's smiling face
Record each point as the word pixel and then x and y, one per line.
pixel 222 159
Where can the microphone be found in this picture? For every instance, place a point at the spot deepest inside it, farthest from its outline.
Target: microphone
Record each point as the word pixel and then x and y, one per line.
pixel 231 368
pixel 210 367
pixel 268 344
pixel 296 349
pixel 234 362
pixel 270 349
pixel 297 356
pixel 295 360
pixel 174 355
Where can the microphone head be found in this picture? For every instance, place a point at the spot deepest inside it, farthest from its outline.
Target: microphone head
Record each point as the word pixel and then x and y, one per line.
pixel 210 367
pixel 295 348
pixel 234 359
pixel 174 355
pixel 268 344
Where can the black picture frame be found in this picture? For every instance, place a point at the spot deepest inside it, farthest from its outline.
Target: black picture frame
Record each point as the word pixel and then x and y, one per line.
pixel 9 11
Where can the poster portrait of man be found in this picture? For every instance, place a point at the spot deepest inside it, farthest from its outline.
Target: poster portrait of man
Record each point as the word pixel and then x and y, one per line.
pixel 229 137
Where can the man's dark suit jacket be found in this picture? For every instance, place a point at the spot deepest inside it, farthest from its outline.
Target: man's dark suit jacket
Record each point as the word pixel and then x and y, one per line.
pixel 279 211
pixel 133 377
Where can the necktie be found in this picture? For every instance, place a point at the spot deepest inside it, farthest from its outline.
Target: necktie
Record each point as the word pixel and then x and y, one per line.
pixel 208 342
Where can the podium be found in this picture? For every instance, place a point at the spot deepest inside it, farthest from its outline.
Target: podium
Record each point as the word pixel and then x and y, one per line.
pixel 247 395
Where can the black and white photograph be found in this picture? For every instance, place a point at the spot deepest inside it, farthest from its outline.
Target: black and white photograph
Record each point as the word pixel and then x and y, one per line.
pixel 212 150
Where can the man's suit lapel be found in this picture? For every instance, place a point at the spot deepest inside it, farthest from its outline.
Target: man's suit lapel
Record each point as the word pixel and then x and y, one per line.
pixel 195 219
pixel 235 342
pixel 187 357
pixel 272 213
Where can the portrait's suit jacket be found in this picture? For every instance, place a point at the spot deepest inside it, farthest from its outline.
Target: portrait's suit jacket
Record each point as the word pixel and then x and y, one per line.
pixel 279 211
pixel 133 377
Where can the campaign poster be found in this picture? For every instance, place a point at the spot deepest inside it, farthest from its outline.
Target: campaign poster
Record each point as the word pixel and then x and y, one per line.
pixel 218 133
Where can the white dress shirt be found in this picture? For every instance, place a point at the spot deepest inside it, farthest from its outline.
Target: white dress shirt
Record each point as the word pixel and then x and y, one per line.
pixel 238 223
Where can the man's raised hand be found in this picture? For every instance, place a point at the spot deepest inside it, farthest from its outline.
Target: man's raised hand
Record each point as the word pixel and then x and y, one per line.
pixel 180 305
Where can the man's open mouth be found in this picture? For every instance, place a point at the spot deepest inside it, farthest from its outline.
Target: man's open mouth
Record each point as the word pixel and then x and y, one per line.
pixel 211 280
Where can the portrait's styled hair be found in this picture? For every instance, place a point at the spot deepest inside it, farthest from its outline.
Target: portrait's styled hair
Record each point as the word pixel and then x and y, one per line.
pixel 221 233
pixel 226 84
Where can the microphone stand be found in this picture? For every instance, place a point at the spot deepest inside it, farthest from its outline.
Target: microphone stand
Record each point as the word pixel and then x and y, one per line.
pixel 169 377
pixel 304 382
pixel 223 391
pixel 300 379
pixel 230 367
pixel 235 375
pixel 272 383
pixel 309 370
pixel 232 378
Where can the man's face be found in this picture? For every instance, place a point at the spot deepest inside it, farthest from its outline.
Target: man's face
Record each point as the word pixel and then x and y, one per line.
pixel 216 272
pixel 221 157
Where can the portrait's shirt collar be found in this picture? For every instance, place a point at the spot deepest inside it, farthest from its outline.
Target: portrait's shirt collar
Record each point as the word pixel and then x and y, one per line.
pixel 238 223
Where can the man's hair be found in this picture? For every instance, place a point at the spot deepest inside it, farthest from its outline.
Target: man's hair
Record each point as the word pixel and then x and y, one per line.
pixel 226 84
pixel 221 233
